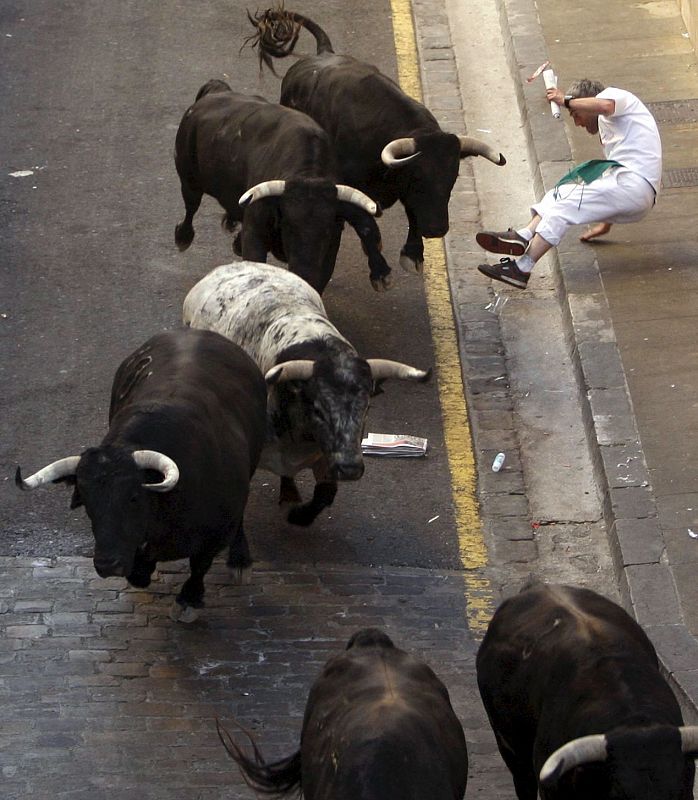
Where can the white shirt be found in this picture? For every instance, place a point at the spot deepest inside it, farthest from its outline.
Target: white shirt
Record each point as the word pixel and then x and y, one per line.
pixel 630 136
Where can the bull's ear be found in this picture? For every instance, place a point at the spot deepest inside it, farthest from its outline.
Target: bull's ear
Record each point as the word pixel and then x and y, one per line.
pixel 76 500
pixel 377 388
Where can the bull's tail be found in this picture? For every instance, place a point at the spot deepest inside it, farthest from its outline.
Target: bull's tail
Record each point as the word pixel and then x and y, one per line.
pixel 278 777
pixel 277 32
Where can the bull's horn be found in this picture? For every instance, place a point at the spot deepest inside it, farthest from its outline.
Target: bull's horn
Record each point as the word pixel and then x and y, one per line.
pixel 689 739
pixel 260 190
pixel 475 147
pixel 59 469
pixel 151 459
pixel 351 195
pixel 299 370
pixel 399 152
pixel 382 368
pixel 584 750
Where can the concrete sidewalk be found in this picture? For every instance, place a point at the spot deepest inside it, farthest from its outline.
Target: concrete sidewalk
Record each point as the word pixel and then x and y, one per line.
pixel 631 301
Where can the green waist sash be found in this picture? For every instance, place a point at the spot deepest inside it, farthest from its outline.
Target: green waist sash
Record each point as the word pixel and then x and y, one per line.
pixel 588 171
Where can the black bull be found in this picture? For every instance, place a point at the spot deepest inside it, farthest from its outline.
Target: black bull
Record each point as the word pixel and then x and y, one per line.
pixel 579 708
pixel 378 725
pixel 388 144
pixel 273 170
pixel 188 406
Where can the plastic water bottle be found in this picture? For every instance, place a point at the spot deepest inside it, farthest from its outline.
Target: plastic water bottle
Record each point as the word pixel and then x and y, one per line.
pixel 498 462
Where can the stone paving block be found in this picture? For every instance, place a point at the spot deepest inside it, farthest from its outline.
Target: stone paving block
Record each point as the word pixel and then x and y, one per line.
pixel 653 594
pixel 495 441
pixel 613 418
pixel 677 647
pixel 521 551
pixel 507 505
pixel 601 364
pixel 624 465
pixel 590 317
pixel 632 501
pixel 640 540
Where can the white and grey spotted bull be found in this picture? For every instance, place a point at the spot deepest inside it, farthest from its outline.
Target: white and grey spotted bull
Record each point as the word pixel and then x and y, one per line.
pixel 319 387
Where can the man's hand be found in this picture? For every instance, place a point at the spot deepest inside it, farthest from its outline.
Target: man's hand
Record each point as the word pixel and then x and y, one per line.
pixel 554 95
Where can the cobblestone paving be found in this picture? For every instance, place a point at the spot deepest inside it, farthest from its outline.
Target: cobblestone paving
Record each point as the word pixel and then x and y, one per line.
pixel 104 695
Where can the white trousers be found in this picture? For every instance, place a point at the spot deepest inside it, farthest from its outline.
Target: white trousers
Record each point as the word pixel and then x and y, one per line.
pixel 619 195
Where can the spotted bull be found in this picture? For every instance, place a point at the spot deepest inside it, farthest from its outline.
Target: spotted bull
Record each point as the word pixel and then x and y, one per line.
pixel 171 477
pixel 378 725
pixel 388 144
pixel 272 169
pixel 579 708
pixel 319 385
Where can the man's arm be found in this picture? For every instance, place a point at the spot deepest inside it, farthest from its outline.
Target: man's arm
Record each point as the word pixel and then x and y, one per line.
pixel 592 105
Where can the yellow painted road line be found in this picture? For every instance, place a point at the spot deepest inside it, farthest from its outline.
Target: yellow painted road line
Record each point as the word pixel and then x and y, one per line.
pixel 461 460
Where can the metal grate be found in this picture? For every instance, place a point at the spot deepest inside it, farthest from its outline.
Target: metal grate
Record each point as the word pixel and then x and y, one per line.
pixel 674 111
pixel 680 178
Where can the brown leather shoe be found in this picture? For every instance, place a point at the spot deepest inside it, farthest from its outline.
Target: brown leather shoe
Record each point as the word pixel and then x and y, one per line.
pixel 506 272
pixel 509 243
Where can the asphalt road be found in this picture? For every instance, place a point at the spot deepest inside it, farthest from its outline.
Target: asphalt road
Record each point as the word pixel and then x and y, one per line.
pixel 91 99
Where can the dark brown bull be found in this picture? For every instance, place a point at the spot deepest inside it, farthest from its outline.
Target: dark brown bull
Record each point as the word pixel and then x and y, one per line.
pixel 170 479
pixel 273 170
pixel 388 144
pixel 378 725
pixel 579 708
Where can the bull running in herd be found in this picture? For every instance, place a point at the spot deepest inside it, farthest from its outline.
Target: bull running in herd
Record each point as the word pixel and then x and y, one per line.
pixel 378 725
pixel 170 479
pixel 319 386
pixel 272 169
pixel 389 145
pixel 579 708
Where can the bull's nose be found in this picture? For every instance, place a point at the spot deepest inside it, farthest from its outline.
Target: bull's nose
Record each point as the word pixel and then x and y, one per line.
pixel 349 472
pixel 108 567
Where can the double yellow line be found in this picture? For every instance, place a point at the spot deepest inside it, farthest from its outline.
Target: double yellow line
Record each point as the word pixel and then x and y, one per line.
pixel 461 460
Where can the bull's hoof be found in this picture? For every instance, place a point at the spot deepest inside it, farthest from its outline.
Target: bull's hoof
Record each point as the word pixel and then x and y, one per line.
pixel 186 614
pixel 383 283
pixel 184 236
pixel 288 492
pixel 410 264
pixel 301 515
pixel 241 576
pixel 140 580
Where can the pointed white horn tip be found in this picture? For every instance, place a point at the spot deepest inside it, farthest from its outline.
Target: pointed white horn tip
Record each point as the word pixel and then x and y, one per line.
pixel 272 375
pixel 53 472
pixel 246 198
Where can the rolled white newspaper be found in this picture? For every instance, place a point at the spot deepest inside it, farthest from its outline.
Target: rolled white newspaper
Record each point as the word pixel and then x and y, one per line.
pixel 550 79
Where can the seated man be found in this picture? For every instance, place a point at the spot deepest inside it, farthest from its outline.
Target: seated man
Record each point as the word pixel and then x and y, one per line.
pixel 620 188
